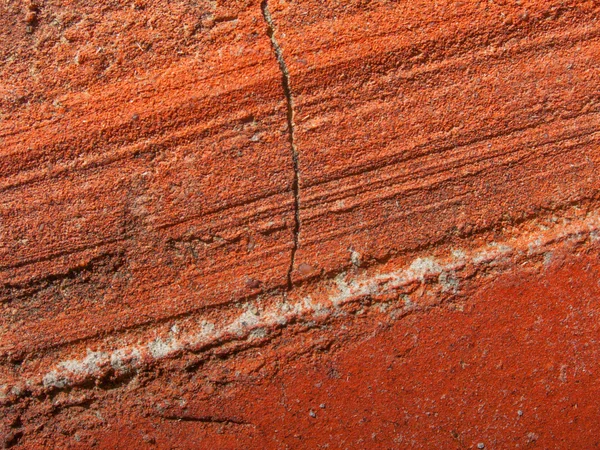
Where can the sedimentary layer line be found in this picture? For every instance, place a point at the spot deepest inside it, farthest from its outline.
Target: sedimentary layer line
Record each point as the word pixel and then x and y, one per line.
pixel 444 276
pixel 170 184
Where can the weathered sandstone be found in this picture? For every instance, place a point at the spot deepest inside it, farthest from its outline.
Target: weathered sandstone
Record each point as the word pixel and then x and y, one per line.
pixel 353 224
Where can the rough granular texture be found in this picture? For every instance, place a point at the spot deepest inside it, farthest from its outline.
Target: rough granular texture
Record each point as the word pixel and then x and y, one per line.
pixel 342 224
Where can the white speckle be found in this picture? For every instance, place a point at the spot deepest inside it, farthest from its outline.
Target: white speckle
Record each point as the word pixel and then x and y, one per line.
pixel 207 332
pixel 245 321
pixel 258 333
pixel 449 282
pixel 123 359
pixel 90 365
pixel 382 307
pixel 343 289
pixel 159 348
pixel 355 258
pixel 563 373
pixel 408 304
pixel 502 248
pixel 16 390
pixel 534 246
pixel 548 258
pixel 459 254
pixel 53 379
pixel 422 268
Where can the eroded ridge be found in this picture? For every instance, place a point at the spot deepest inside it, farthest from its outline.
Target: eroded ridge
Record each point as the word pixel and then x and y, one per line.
pixel 285 81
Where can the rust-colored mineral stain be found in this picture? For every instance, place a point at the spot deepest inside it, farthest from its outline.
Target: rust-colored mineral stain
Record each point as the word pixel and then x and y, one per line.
pixel 305 224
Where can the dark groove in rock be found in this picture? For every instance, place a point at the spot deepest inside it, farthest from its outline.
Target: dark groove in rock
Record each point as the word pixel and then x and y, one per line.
pixel 285 81
pixel 206 419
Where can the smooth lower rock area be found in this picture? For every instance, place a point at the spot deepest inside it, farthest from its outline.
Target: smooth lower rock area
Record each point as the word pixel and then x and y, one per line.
pixel 300 224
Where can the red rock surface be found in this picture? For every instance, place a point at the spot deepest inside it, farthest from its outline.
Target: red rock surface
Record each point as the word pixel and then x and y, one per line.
pixel 299 224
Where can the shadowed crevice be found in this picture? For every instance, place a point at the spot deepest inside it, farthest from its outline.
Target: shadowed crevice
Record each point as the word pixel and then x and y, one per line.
pixel 285 81
pixel 207 419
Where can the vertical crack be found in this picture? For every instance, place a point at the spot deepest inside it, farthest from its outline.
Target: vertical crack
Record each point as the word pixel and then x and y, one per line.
pixel 285 81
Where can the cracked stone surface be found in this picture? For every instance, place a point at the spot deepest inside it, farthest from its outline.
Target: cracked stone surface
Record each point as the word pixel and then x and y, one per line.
pixel 287 90
pixel 307 224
